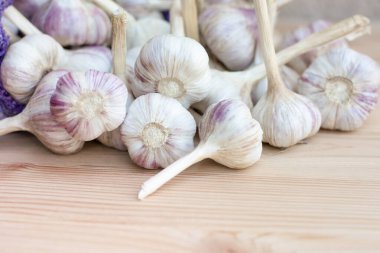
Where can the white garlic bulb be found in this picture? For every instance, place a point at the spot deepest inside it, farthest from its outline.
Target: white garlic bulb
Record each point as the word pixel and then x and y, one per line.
pixel 228 135
pixel 344 84
pixel 157 131
pixel 174 66
pixel 302 62
pixel 29 59
pixel 73 22
pixel 89 103
pixel 286 117
pixel 36 118
pixel 230 33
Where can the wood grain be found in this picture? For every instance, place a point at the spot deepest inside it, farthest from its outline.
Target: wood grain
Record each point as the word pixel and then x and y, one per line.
pixel 321 196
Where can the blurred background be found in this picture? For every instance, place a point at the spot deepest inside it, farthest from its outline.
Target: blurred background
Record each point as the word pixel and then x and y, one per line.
pixel 330 9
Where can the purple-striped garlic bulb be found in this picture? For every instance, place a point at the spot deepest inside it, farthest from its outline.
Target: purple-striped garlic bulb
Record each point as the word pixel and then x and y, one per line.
pixel 29 59
pixel 302 62
pixel 286 117
pixel 37 119
pixel 157 131
pixel 87 104
pixel 230 33
pixel 73 22
pixel 29 7
pixel 228 135
pixel 344 85
pixel 173 66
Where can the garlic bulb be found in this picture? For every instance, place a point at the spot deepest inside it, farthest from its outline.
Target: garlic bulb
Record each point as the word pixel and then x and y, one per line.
pixel 174 66
pixel 157 131
pixel 37 119
pixel 344 84
pixel 73 22
pixel 230 33
pixel 138 31
pixel 89 103
pixel 142 8
pixel 29 7
pixel 29 59
pixel 228 135
pixel 302 62
pixel 285 116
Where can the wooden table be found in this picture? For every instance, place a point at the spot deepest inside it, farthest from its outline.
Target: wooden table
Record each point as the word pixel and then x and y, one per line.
pixel 323 196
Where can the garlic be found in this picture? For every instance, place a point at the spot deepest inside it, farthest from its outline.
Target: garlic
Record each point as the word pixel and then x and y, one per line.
pixel 37 119
pixel 230 33
pixel 142 8
pixel 89 103
pixel 29 59
pixel 10 29
pixel 302 62
pixel 138 31
pixel 73 22
pixel 239 84
pixel 228 135
pixel 344 85
pixel 29 7
pixel 157 131
pixel 174 66
pixel 285 116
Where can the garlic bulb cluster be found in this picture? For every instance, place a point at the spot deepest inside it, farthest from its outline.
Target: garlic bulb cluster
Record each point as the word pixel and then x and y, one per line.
pixel 29 59
pixel 29 7
pixel 228 135
pixel 38 120
pixel 230 34
pixel 173 66
pixel 142 8
pixel 344 84
pixel 286 117
pixel 157 131
pixel 301 63
pixel 73 22
pixel 89 103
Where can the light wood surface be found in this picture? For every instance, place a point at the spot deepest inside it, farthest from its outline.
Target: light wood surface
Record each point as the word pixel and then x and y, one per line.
pixel 321 196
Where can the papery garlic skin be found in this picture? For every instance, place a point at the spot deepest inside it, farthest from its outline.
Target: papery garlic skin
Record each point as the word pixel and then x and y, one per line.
pixel 89 103
pixel 29 59
pixel 142 8
pixel 41 122
pixel 157 131
pixel 229 126
pixel 73 22
pixel 230 33
pixel 287 118
pixel 344 85
pixel 29 7
pixel 173 66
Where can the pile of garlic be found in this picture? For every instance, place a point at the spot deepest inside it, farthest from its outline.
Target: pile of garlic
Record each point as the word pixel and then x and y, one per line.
pixel 213 70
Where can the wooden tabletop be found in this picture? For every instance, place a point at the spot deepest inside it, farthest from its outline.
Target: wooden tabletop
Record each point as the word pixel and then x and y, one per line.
pixel 321 196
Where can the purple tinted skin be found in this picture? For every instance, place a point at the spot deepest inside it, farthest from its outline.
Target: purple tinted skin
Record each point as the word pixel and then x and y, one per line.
pixel 8 105
pixel 221 110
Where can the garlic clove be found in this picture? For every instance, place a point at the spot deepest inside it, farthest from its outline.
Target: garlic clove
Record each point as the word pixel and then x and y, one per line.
pixel 344 85
pixel 228 134
pixel 89 103
pixel 157 131
pixel 173 66
pixel 231 34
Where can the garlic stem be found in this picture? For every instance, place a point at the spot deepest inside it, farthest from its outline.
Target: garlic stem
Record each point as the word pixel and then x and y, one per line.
pixel 12 37
pixel 119 43
pixel 176 20
pixel 22 23
pixel 151 185
pixel 110 7
pixel 190 18
pixel 13 124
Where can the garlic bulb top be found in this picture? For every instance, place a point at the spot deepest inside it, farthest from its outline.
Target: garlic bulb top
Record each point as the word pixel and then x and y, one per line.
pixel 37 119
pixel 301 63
pixel 73 22
pixel 173 66
pixel 228 134
pixel 89 103
pixel 29 7
pixel 344 84
pixel 157 131
pixel 230 33
pixel 29 59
